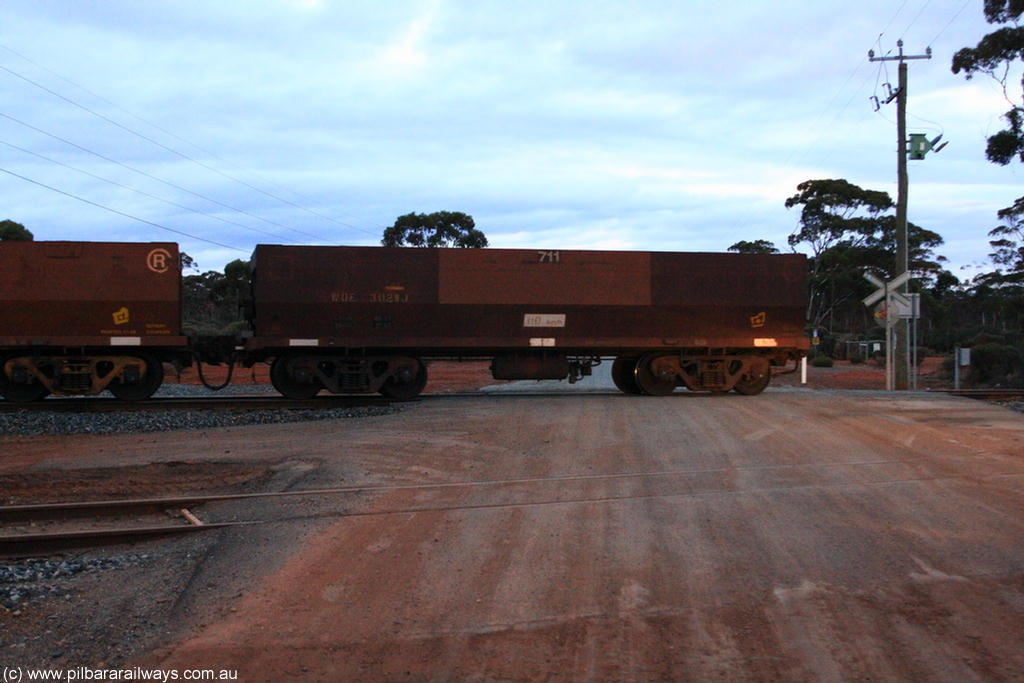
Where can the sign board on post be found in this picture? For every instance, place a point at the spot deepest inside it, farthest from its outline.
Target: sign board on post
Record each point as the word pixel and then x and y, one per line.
pixel 884 288
pixel 961 357
pixel 893 307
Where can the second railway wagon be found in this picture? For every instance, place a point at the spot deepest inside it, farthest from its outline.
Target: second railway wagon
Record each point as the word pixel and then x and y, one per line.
pixel 365 319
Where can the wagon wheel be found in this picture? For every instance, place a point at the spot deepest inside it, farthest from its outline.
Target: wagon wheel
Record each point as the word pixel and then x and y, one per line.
pixel 654 377
pixel 750 385
pixel 147 385
pixel 624 375
pixel 20 393
pixel 407 383
pixel 287 385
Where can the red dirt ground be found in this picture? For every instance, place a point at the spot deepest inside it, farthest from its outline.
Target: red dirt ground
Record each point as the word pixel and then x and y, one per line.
pixel 795 536
pixel 846 375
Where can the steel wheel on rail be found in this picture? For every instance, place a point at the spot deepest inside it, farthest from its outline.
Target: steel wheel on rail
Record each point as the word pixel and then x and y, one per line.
pixel 292 379
pixel 20 392
pixel 146 385
pixel 624 375
pixel 753 383
pixel 655 375
pixel 407 382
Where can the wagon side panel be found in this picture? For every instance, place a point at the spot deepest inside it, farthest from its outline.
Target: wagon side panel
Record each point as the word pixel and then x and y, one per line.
pixel 90 294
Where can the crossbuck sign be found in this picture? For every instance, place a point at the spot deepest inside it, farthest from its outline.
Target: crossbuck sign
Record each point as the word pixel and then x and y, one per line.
pixel 897 305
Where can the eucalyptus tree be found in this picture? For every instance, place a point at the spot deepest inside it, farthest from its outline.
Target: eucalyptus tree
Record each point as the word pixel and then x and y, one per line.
pixel 438 229
pixel 11 231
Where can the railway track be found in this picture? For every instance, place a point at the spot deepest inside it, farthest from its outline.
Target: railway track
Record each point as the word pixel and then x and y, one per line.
pixel 325 402
pixel 31 530
pixel 989 394
pixel 109 404
pixel 56 527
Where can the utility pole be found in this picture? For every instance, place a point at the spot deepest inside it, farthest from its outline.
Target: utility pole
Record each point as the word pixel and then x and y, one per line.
pixel 901 355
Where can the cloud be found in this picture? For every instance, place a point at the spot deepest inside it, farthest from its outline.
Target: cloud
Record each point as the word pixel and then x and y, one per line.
pixel 652 125
pixel 408 51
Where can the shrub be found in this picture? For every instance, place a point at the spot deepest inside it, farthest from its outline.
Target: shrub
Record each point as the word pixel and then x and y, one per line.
pixel 947 369
pixel 821 362
pixel 998 364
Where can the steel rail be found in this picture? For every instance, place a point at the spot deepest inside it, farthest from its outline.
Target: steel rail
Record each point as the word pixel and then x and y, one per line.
pixel 19 545
pixel 99 405
pixel 42 511
pixel 987 394
pixel 327 402
pixel 28 545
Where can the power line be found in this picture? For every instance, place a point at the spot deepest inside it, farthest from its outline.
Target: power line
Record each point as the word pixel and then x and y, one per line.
pixel 916 16
pixel 161 145
pixel 151 176
pixel 119 213
pixel 823 130
pixel 892 19
pixel 950 22
pixel 140 192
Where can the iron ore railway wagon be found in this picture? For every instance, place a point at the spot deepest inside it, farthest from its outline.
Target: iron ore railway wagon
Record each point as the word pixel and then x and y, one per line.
pixel 81 318
pixel 367 318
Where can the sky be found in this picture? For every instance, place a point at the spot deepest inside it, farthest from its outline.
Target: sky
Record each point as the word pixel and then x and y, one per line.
pixel 647 125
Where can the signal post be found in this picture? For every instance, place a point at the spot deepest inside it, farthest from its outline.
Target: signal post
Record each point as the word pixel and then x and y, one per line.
pixel 899 373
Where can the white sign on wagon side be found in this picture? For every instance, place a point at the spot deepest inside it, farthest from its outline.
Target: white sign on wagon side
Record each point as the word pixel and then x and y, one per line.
pixel 544 320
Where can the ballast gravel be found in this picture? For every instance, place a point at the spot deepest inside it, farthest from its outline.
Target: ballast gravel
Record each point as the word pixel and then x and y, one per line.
pixel 33 423
pixel 62 423
pixel 24 581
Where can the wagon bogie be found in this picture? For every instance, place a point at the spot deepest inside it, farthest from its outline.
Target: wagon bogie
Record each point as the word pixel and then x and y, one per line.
pixel 659 374
pixel 304 375
pixel 32 377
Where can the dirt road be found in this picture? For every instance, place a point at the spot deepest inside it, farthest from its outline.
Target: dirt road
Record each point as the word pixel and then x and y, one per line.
pixel 793 536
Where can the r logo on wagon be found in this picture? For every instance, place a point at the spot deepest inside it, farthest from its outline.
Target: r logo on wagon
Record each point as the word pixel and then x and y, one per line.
pixel 158 260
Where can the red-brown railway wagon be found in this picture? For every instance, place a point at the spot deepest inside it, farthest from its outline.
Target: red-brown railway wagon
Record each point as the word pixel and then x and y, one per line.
pixel 365 318
pixel 81 317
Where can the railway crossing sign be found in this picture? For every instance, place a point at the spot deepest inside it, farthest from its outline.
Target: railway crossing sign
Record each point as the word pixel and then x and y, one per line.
pixel 898 307
pixel 887 289
pixel 893 306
